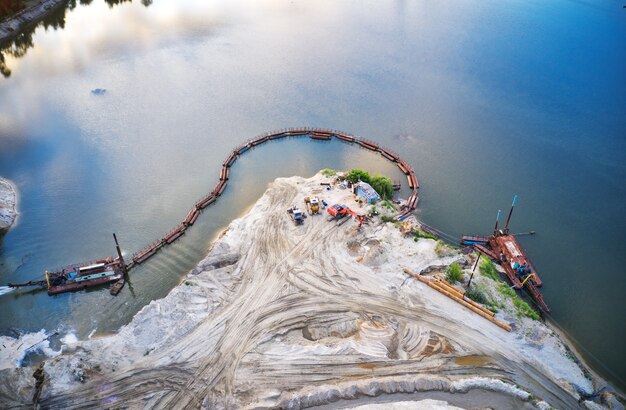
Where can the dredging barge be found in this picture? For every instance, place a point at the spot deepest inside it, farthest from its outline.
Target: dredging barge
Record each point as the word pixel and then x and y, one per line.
pixel 503 248
pixel 81 276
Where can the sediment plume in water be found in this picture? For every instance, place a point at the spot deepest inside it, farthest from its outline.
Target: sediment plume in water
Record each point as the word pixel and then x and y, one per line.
pixel 5 289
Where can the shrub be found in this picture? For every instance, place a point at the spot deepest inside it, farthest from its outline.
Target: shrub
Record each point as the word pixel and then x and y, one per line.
pixel 476 295
pixel 327 172
pixel 488 269
pixel 454 273
pixel 388 204
pixel 421 234
pixel 387 218
pixel 440 248
pixel 382 185
pixel 356 175
pixel 523 309
pixel 504 289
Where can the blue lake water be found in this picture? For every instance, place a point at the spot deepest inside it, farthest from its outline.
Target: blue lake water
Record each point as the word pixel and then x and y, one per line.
pixel 485 99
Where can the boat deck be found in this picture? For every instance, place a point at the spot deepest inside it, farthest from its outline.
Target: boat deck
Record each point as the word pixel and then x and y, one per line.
pixel 506 251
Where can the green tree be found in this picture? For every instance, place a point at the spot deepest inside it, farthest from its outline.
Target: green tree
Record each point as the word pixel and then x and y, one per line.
pixel 382 185
pixel 356 175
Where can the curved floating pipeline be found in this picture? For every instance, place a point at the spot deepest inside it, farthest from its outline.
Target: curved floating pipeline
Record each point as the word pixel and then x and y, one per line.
pixel 314 134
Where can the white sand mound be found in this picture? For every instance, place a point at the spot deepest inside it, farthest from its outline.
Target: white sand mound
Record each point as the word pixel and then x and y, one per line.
pixel 279 315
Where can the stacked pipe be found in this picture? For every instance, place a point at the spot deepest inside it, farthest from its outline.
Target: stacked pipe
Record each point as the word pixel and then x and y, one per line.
pixel 411 203
pixel 196 213
pixel 442 283
pixel 372 146
pixel 410 181
pixel 295 132
pixel 320 135
pixel 230 160
pixel 416 183
pixel 147 252
pixel 243 148
pixel 343 137
pixel 219 188
pixel 206 201
pixel 259 140
pixel 224 173
pixel 191 217
pixel 458 297
pixel 391 156
pixel 175 233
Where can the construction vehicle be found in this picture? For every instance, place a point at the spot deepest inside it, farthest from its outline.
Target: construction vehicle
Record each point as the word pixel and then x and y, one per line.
pixel 312 205
pixel 297 216
pixel 338 212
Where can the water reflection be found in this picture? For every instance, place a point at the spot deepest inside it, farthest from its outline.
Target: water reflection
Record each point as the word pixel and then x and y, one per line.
pixel 9 7
pixel 17 46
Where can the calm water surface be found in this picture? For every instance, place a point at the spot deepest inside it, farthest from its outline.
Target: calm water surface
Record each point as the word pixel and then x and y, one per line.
pixel 486 99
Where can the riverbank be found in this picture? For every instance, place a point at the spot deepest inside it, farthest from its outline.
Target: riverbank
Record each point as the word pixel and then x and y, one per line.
pixel 8 204
pixel 279 315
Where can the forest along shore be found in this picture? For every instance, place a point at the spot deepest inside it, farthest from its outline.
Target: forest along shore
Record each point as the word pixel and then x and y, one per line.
pixel 8 204
pixel 296 315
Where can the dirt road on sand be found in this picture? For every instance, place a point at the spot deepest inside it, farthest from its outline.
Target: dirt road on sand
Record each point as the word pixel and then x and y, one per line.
pixel 280 315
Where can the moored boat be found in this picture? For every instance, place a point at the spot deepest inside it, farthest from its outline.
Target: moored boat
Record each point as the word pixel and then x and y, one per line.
pixel 74 277
pixel 504 249
pixel 82 275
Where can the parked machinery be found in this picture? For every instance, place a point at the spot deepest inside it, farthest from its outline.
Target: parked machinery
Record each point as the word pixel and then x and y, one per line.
pixel 338 212
pixel 312 205
pixel 297 216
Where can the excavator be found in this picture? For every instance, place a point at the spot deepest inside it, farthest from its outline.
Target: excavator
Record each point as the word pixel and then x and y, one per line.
pixel 312 205
pixel 338 212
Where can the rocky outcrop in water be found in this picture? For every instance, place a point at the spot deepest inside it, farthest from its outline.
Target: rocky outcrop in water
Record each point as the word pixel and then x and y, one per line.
pixel 8 198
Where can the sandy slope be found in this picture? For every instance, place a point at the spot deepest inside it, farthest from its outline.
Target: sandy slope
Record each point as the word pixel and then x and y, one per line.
pixel 300 316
